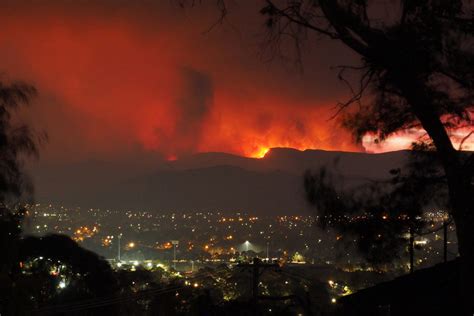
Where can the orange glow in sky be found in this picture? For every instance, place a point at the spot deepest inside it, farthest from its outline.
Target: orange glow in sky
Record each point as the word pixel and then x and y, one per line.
pixel 260 153
pixel 146 78
pixel 405 139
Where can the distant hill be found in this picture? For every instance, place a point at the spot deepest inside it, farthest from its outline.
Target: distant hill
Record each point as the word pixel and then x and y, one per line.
pixel 206 181
pixel 296 161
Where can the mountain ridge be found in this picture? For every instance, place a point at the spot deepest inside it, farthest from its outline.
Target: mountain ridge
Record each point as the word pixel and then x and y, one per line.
pixel 212 181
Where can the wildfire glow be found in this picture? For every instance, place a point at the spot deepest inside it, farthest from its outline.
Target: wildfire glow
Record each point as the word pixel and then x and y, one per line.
pixel 146 80
pixel 261 153
pixel 405 139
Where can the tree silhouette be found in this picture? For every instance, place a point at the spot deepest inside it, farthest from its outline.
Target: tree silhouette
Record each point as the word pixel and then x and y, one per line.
pixel 415 71
pixel 17 142
pixel 24 289
pixel 379 214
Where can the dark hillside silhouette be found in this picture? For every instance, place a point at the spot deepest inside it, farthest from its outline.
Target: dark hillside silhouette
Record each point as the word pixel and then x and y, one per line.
pixel 431 291
pixel 210 181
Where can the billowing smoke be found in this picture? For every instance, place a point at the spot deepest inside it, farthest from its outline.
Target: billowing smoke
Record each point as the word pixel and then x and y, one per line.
pixel 192 110
pixel 119 77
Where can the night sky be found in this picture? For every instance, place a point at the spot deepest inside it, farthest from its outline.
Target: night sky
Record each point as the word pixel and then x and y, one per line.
pixel 117 78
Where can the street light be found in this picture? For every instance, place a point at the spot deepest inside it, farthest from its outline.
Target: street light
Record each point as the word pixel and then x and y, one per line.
pixel 247 243
pixel 175 244
pixel 119 238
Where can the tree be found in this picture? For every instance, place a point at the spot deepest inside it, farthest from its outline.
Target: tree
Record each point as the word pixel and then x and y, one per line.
pixel 16 142
pixel 24 289
pixel 380 214
pixel 416 71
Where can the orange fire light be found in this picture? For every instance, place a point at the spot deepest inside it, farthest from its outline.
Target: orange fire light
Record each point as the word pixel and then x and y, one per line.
pixel 261 152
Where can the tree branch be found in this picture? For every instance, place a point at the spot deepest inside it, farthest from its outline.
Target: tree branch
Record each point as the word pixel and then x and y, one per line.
pixel 465 138
pixel 300 20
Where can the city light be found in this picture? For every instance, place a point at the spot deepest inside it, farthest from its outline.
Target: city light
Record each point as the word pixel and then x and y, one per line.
pixel 217 242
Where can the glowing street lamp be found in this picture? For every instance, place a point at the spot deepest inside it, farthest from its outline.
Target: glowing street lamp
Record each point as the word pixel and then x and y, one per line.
pixel 175 244
pixel 268 246
pixel 247 244
pixel 119 238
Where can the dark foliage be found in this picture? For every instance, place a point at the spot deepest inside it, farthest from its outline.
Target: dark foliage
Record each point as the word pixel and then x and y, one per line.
pixel 17 141
pixel 379 215
pixel 95 273
pixel 415 71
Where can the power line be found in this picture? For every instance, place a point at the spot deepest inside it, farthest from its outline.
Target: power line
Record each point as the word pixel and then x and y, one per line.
pixel 256 266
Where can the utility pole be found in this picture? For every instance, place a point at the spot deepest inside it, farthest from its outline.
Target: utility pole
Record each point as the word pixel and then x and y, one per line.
pixel 445 241
pixel 255 281
pixel 255 266
pixel 175 244
pixel 412 250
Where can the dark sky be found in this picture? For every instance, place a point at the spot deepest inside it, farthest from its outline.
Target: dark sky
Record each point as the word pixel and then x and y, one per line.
pixel 121 77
